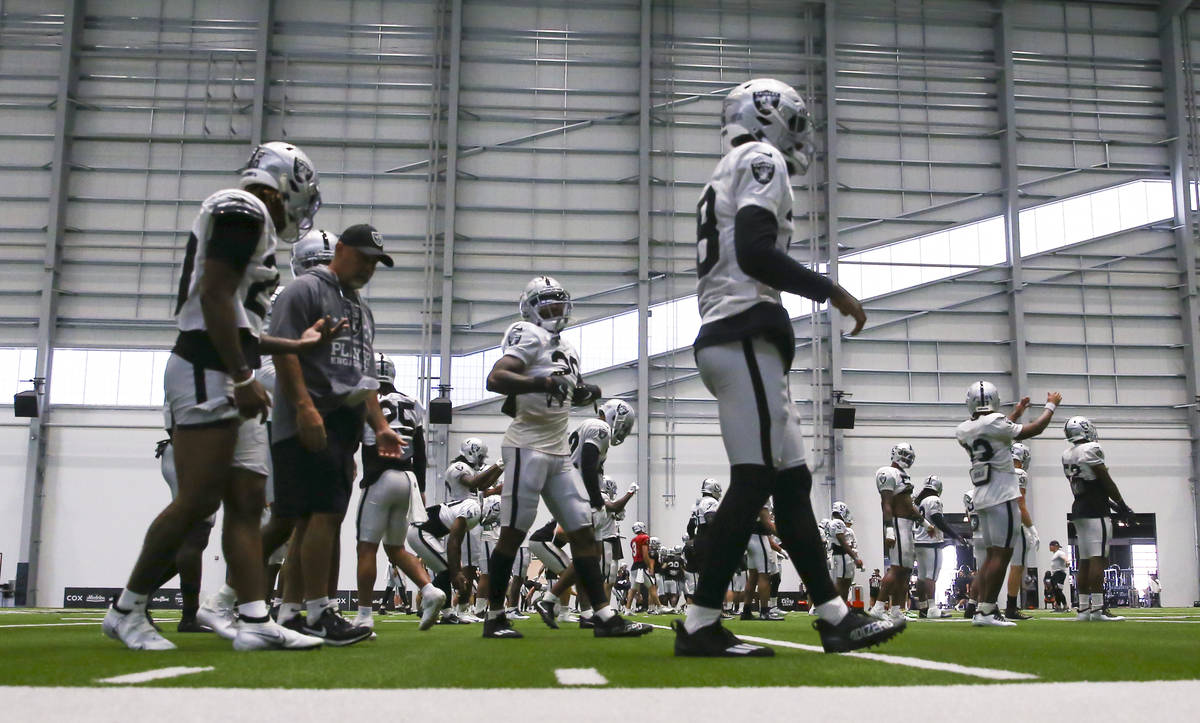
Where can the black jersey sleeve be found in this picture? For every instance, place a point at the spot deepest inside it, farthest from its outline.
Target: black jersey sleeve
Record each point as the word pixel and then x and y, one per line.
pixel 754 232
pixel 236 228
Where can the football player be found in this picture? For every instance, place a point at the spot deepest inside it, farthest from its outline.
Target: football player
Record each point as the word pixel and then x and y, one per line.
pixel 929 540
pixel 843 548
pixel 539 373
pixel 1026 545
pixel 979 550
pixel 438 541
pixel 744 350
pixel 899 515
pixel 520 573
pixel 467 477
pixel 760 564
pixel 215 407
pixel 391 488
pixel 548 545
pixel 1096 494
pixel 987 438
pixel 188 562
pixel 641 574
pixel 606 521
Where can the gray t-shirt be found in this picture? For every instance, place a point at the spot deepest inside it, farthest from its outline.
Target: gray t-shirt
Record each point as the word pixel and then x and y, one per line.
pixel 342 370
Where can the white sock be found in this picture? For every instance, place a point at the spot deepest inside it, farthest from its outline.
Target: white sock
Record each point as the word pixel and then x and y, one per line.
pixel 288 610
pixel 131 601
pixel 585 614
pixel 315 608
pixel 428 590
pixel 1097 600
pixel 480 607
pixel 226 596
pixel 833 611
pixel 493 614
pixel 1085 602
pixel 924 605
pixel 700 617
pixel 877 608
pixel 550 598
pixel 604 613
pixel 257 609
pixel 364 611
pixel 987 608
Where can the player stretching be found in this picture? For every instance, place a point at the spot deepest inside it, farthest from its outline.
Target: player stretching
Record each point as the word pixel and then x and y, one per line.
pixel 987 437
pixel 1027 543
pixel 744 351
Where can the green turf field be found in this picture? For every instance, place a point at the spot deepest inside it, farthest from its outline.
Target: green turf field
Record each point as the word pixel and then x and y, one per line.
pixel 66 648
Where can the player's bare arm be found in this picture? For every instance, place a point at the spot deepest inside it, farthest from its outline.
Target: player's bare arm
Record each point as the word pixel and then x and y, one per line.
pixel 454 541
pixel 885 504
pixel 485 479
pixel 1037 426
pixel 1110 488
pixel 508 377
pixel 319 334
pixel 289 380
pixel 218 297
pixel 619 504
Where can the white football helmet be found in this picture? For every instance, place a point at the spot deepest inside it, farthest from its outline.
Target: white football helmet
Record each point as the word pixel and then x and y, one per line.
pixel 491 511
pixel 935 482
pixel 711 488
pixel 655 543
pixel 315 249
pixel 620 417
pixel 771 111
pixel 285 168
pixel 545 303
pixel 1080 429
pixel 842 510
pixel 982 397
pixel 903 455
pixel 608 487
pixel 639 528
pixel 1021 453
pixel 969 500
pixel 385 369
pixel 474 450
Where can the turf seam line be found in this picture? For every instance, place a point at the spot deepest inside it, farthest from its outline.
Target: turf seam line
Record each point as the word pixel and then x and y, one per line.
pixel 156 674
pixel 579 676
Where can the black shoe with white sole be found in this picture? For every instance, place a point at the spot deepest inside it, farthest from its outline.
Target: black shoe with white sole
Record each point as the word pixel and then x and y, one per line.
pixel 619 627
pixel 1017 615
pixel 714 641
pixel 587 623
pixel 336 630
pixel 545 609
pixel 500 627
pixel 857 630
pixel 190 625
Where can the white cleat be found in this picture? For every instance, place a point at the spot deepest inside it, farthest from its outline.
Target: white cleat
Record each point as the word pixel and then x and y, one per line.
pixel 991 621
pixel 515 615
pixel 364 621
pixel 569 617
pixel 468 617
pixel 272 636
pixel 431 605
pixel 134 630
pixel 222 619
pixel 1083 616
pixel 896 615
pixel 1102 616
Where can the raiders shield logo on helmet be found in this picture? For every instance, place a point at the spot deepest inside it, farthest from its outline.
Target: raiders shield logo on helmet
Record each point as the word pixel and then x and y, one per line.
pixel 301 171
pixel 764 98
pixel 763 169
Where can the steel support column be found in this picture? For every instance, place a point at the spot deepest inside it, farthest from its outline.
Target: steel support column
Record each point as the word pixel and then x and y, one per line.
pixel 834 453
pixel 1174 77
pixel 643 289
pixel 35 458
pixel 1006 88
pixel 262 55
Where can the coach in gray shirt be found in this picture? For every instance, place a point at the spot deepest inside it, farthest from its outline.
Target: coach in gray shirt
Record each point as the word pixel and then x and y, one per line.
pixel 322 399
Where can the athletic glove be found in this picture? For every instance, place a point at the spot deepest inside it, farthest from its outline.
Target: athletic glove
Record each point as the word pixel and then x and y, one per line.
pixel 557 390
pixel 889 537
pixel 1125 514
pixel 585 394
pixel 1031 538
pixel 633 487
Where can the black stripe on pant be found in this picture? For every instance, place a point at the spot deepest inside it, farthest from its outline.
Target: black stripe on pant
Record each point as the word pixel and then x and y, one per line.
pixel 201 388
pixel 760 401
pixel 432 550
pixel 516 488
pixel 1009 529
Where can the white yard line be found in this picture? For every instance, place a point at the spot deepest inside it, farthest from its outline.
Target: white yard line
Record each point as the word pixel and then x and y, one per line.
pixel 156 674
pixel 1171 700
pixel 579 676
pixel 46 625
pixel 988 673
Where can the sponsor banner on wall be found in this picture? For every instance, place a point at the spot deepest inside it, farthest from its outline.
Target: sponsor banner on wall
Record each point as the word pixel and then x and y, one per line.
pixel 792 600
pixel 101 597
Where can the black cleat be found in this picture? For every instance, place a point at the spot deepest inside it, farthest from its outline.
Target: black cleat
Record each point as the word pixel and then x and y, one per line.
pixel 295 624
pixel 714 641
pixel 500 627
pixel 545 609
pixel 1017 615
pixel 336 630
pixel 857 630
pixel 619 627
pixel 383 611
pixel 923 614
pixel 189 625
pixel 587 623
pixel 747 615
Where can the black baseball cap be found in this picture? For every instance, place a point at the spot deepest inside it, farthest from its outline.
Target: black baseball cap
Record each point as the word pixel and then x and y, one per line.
pixel 366 239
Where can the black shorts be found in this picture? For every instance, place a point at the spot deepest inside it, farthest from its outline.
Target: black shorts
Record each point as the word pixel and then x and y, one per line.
pixel 308 483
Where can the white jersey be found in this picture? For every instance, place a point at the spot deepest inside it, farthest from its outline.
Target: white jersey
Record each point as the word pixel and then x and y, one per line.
pixel 704 507
pixel 891 479
pixel 246 214
pixel 1079 466
pixel 537 422
pixel 988 440
pixel 834 528
pixel 851 540
pixel 752 174
pixel 467 509
pixel 930 506
pixel 605 522
pixel 594 431
pixel 452 482
pixel 404 415
pixel 1059 562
